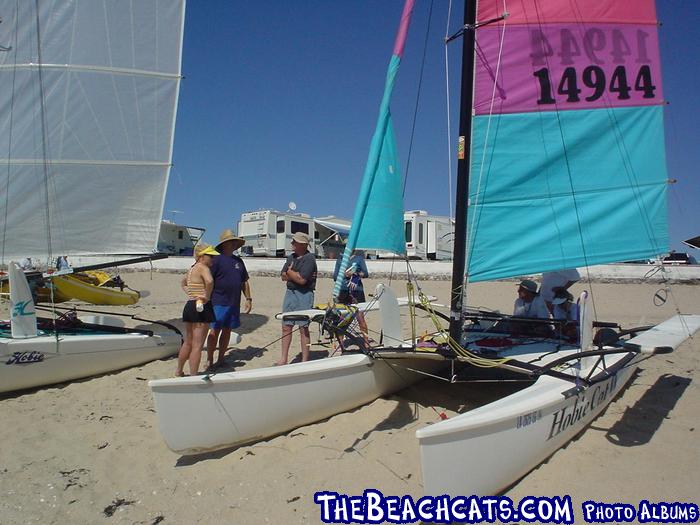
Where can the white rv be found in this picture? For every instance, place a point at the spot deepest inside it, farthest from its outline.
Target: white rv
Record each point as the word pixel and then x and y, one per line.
pixel 268 233
pixel 428 236
pixel 175 239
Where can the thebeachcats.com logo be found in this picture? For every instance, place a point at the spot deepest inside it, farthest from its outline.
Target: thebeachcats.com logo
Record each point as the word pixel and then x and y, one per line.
pixel 374 507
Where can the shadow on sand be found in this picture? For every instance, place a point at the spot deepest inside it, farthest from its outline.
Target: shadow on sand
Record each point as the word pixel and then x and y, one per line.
pixel 640 422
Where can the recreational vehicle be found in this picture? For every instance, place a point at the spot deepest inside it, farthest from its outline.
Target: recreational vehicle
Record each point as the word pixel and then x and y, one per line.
pixel 268 233
pixel 175 239
pixel 428 236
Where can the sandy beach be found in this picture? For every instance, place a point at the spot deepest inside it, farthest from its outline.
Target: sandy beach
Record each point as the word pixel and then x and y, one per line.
pixel 90 451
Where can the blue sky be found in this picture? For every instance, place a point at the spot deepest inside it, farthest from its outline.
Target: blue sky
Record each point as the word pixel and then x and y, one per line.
pixel 280 100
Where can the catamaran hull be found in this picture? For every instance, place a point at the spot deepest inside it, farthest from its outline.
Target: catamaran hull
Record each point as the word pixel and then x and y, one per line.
pixel 486 450
pixel 45 360
pixel 70 286
pixel 200 414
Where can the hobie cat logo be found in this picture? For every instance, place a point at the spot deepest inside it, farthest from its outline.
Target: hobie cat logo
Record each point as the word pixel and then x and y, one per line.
pixel 19 309
pixel 19 358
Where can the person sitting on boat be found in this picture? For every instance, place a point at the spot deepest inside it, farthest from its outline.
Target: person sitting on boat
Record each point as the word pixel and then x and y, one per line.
pixel 230 278
pixel 351 289
pixel 529 305
pixel 299 272
pixel 27 265
pixel 564 309
pixel 555 281
pixel 198 311
pixel 62 263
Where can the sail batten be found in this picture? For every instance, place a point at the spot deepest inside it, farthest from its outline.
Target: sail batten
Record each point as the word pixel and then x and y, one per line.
pixel 568 159
pixel 90 116
pixel 94 69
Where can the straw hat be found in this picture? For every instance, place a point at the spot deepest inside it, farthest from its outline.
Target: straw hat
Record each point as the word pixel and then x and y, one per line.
pixel 204 249
pixel 228 235
pixel 301 238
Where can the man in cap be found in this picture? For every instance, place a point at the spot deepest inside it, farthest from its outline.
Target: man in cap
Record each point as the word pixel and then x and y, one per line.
pixel 230 278
pixel 299 272
pixel 529 303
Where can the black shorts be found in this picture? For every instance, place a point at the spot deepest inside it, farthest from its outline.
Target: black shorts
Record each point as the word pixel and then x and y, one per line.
pixel 345 297
pixel 191 315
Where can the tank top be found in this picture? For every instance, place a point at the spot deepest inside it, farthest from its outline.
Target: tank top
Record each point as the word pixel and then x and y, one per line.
pixel 194 290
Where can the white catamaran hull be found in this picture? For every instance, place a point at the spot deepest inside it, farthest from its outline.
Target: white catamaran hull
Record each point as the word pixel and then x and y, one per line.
pixel 488 449
pixel 199 414
pixel 47 359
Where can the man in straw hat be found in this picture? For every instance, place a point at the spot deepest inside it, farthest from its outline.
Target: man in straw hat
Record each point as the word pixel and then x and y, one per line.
pixel 230 278
pixel 299 272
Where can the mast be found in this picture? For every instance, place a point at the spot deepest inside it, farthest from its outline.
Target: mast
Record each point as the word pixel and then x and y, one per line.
pixel 463 163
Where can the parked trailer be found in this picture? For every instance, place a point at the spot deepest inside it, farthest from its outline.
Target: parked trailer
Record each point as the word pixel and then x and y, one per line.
pixel 428 237
pixel 176 239
pixel 268 233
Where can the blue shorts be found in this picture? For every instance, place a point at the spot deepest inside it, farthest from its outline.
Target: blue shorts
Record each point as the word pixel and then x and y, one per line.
pixel 226 317
pixel 295 300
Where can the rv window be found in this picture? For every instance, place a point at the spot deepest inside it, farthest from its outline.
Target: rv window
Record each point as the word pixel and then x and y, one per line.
pixel 179 234
pixel 420 234
pixel 409 232
pixel 300 227
pixel 280 226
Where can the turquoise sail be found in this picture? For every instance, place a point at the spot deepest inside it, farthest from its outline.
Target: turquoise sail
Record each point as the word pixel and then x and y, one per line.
pixel 377 222
pixel 568 163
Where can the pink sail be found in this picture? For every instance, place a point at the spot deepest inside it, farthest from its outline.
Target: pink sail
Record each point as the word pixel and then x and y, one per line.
pixel 566 66
pixel 569 11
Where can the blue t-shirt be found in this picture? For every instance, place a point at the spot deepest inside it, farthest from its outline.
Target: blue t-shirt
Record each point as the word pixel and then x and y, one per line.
pixel 229 274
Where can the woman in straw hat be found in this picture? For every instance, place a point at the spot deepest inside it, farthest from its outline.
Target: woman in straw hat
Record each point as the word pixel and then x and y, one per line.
pixel 198 312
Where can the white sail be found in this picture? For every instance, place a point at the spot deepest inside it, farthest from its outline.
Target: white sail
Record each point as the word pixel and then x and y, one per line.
pixel 22 312
pixel 87 115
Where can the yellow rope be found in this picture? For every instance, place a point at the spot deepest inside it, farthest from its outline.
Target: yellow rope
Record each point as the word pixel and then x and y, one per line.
pixel 465 354
pixel 410 292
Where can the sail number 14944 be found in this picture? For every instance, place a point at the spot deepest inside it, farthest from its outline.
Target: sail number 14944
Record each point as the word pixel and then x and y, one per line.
pixel 593 77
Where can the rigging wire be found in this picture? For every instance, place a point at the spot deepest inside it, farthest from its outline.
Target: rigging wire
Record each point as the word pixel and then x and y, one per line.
pixel 44 131
pixel 11 129
pixel 448 110
pixel 473 227
pixel 418 93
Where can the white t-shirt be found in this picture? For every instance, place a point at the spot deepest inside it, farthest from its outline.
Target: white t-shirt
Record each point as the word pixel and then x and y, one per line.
pixel 551 280
pixel 560 314
pixel 532 310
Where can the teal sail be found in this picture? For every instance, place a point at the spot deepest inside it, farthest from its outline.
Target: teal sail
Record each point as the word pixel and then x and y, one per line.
pixel 377 222
pixel 567 154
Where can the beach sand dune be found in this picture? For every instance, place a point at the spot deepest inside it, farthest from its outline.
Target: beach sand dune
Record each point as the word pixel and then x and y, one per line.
pixel 90 451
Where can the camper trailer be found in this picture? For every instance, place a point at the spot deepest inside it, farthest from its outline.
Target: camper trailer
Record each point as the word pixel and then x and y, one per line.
pixel 330 235
pixel 268 233
pixel 428 236
pixel 175 239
